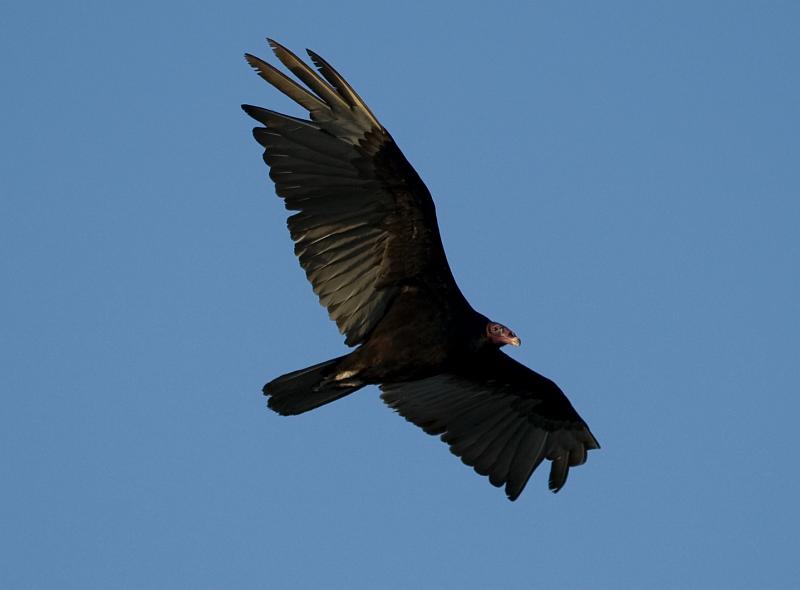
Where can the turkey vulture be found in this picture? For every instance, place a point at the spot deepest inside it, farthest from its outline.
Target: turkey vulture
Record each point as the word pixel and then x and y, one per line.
pixel 366 235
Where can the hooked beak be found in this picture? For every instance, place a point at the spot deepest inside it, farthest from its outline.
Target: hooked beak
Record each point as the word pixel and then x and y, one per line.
pixel 515 341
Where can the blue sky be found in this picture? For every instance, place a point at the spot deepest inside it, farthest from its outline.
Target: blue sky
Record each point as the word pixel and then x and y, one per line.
pixel 618 182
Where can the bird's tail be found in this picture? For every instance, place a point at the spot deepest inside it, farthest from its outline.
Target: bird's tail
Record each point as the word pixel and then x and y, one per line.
pixel 306 389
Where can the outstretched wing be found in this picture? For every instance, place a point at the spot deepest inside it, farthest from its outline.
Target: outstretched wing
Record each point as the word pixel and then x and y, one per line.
pixel 500 417
pixel 366 223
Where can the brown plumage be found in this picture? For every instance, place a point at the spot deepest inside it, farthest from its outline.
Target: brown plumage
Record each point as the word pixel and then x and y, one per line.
pixel 366 234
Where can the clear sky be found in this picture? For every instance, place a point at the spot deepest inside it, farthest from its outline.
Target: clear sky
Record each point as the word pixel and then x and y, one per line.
pixel 616 181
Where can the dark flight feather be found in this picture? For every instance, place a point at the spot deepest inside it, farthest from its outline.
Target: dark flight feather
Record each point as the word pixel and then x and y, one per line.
pixel 341 163
pixel 496 428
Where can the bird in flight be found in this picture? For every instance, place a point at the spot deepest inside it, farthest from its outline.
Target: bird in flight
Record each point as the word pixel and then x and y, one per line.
pixel 366 235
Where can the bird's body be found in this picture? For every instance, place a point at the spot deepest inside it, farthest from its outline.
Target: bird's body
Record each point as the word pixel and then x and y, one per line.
pixel 398 350
pixel 366 234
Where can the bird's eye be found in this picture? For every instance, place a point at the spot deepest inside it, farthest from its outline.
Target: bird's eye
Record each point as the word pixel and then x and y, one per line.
pixel 495 328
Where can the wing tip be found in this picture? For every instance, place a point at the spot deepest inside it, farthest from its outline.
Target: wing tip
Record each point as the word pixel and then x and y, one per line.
pixel 316 59
pixel 254 112
pixel 279 50
pixel 512 495
pixel 259 65
pixel 559 471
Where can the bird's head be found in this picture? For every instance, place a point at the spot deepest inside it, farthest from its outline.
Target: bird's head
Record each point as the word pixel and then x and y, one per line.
pixel 499 335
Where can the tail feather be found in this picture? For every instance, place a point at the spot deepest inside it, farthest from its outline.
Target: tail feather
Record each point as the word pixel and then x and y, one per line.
pixel 306 389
